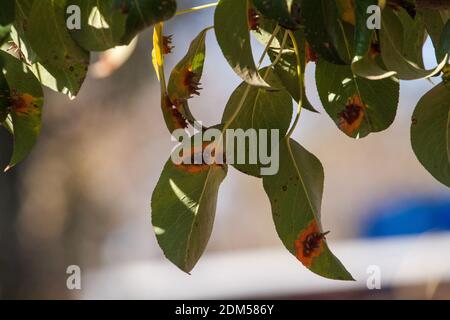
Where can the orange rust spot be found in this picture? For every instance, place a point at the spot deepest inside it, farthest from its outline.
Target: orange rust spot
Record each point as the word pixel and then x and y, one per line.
pixel 194 161
pixel 310 244
pixel 167 44
pixel 253 19
pixel 23 103
pixel 351 117
pixel 311 56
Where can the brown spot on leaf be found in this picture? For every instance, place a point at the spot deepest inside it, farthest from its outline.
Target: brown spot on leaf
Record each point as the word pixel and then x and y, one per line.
pixel 177 119
pixel 167 44
pixel 310 244
pixel 311 56
pixel 351 117
pixel 23 103
pixel 413 121
pixel 253 19
pixel 191 82
pixel 194 161
pixel 375 49
pixel 284 188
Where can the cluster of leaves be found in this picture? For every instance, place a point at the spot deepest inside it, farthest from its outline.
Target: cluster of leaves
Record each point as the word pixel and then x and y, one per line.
pixel 357 76
pixel 38 49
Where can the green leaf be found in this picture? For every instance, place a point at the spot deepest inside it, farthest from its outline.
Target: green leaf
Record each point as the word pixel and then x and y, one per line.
pixel 258 109
pixel 233 35
pixel 363 35
pixel 430 132
pixel 286 66
pixel 295 194
pixel 4 34
pixel 185 78
pixel 21 23
pixel 4 97
pixel 322 29
pixel 358 106
pixel 7 12
pixel 25 106
pixel 394 50
pixel 101 27
pixel 285 12
pixel 435 21
pixel 183 209
pixel 141 14
pixel 59 63
pixel 444 44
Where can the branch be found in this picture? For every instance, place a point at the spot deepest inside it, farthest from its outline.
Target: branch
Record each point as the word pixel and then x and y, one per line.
pixel 433 4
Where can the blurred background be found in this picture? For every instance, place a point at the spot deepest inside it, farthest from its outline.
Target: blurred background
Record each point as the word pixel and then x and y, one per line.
pixel 83 198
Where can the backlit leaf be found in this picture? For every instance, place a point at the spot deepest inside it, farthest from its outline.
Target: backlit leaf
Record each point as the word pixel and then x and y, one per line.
pixel 258 109
pixel 26 101
pixel 393 48
pixel 59 63
pixel 430 132
pixel 358 106
pixel 295 194
pixel 183 209
pixel 233 35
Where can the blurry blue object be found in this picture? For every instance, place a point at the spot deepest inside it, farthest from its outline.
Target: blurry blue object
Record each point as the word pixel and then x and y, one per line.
pixel 408 216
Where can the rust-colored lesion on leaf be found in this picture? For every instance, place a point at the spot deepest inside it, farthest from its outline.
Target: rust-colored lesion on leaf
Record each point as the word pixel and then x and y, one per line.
pixel 375 49
pixel 23 103
pixel 351 117
pixel 191 82
pixel 253 19
pixel 310 244
pixel 194 161
pixel 311 55
pixel 167 46
pixel 176 118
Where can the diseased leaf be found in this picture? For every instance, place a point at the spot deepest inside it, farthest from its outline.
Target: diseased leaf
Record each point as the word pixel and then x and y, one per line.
pixel 23 10
pixel 59 63
pixel 295 194
pixel 285 12
pixel 394 48
pixel 430 132
pixel 363 35
pixel 185 78
pixel 183 209
pixel 25 106
pixel 258 109
pixel 358 106
pixel 233 36
pixel 101 27
pixel 322 30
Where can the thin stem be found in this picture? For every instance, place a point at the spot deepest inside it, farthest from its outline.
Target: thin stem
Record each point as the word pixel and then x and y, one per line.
pixel 205 6
pixel 300 84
